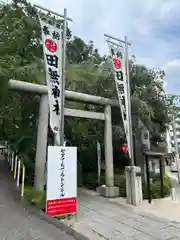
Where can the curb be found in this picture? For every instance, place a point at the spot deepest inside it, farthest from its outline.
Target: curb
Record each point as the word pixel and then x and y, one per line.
pixel 41 215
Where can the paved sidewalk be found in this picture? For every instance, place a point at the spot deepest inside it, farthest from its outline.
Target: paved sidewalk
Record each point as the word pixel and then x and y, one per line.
pixel 164 208
pixel 17 224
pixel 114 221
pixel 109 220
pixel 169 207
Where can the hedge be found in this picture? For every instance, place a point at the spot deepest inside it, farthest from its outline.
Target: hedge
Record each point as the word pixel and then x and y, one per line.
pixel 90 181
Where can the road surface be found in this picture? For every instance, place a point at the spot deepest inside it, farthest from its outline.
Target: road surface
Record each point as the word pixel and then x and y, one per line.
pixel 109 221
pixel 16 223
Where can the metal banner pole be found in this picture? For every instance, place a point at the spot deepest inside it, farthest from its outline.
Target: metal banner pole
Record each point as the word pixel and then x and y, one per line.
pixel 116 39
pixel 63 81
pixel 124 91
pixel 130 134
pixel 50 11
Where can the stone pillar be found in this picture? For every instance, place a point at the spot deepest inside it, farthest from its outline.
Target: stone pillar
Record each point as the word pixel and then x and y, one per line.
pixel 41 145
pixel 108 190
pixel 133 185
pixel 109 167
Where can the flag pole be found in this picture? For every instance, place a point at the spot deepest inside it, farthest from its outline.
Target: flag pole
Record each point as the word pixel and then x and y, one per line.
pixel 63 80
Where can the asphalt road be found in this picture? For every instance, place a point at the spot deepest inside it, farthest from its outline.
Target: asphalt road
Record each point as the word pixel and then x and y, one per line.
pixel 16 223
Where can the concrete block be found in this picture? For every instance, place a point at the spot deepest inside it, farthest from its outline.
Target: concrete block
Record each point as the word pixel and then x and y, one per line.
pixel 109 192
pixel 133 185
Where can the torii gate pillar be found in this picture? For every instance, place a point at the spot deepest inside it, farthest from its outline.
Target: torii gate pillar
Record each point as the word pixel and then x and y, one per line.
pixel 42 135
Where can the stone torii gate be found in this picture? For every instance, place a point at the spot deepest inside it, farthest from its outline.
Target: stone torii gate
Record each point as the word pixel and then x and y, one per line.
pixel 109 190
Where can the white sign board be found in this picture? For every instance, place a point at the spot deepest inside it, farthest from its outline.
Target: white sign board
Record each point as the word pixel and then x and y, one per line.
pixel 61 193
pixel 52 47
pixel 99 161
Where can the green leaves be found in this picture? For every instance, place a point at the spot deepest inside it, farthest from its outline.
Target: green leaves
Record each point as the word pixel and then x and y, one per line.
pixel 87 72
pixel 148 99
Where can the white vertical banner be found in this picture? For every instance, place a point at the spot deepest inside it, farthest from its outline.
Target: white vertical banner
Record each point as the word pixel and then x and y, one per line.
pixel 61 191
pixel 52 47
pixel 119 71
pixel 99 161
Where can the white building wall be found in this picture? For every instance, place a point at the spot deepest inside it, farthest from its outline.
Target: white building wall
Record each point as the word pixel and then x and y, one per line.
pixel 170 138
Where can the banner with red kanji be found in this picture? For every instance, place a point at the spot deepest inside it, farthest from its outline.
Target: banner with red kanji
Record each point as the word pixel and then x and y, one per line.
pixel 52 48
pixel 119 72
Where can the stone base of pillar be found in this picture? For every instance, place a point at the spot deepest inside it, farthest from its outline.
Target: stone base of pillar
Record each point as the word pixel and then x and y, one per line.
pixel 133 185
pixel 109 192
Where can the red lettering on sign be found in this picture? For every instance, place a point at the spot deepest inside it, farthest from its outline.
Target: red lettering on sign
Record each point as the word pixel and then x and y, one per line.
pixel 61 206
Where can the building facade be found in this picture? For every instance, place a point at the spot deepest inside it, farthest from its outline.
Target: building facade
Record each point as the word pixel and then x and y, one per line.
pixel 170 136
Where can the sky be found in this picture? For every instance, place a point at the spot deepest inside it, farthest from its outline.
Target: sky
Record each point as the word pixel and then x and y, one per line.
pixel 152 26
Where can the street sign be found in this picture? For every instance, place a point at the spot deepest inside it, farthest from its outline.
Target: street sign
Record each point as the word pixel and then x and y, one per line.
pixel 61 193
pixel 99 161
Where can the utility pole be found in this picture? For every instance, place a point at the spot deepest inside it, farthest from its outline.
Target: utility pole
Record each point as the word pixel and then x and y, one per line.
pixel 176 149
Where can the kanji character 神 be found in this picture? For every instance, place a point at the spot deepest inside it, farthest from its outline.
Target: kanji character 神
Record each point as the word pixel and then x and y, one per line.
pixel 55 91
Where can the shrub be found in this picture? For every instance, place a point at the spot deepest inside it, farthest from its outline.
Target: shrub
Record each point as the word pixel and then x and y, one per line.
pixel 91 182
pixel 156 190
pixel 156 187
pixel 120 181
pixel 168 181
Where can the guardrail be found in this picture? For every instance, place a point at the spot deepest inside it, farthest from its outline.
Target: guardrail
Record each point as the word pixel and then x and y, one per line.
pixel 18 170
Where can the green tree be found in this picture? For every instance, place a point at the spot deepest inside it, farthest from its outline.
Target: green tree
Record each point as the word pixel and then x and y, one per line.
pixel 87 71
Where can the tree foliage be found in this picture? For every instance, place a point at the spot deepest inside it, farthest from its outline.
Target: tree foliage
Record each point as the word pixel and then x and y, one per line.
pixel 87 71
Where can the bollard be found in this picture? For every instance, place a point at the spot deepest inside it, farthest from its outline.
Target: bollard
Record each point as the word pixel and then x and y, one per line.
pixel 23 178
pixel 173 191
pixel 15 167
pixel 18 173
pixel 12 162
